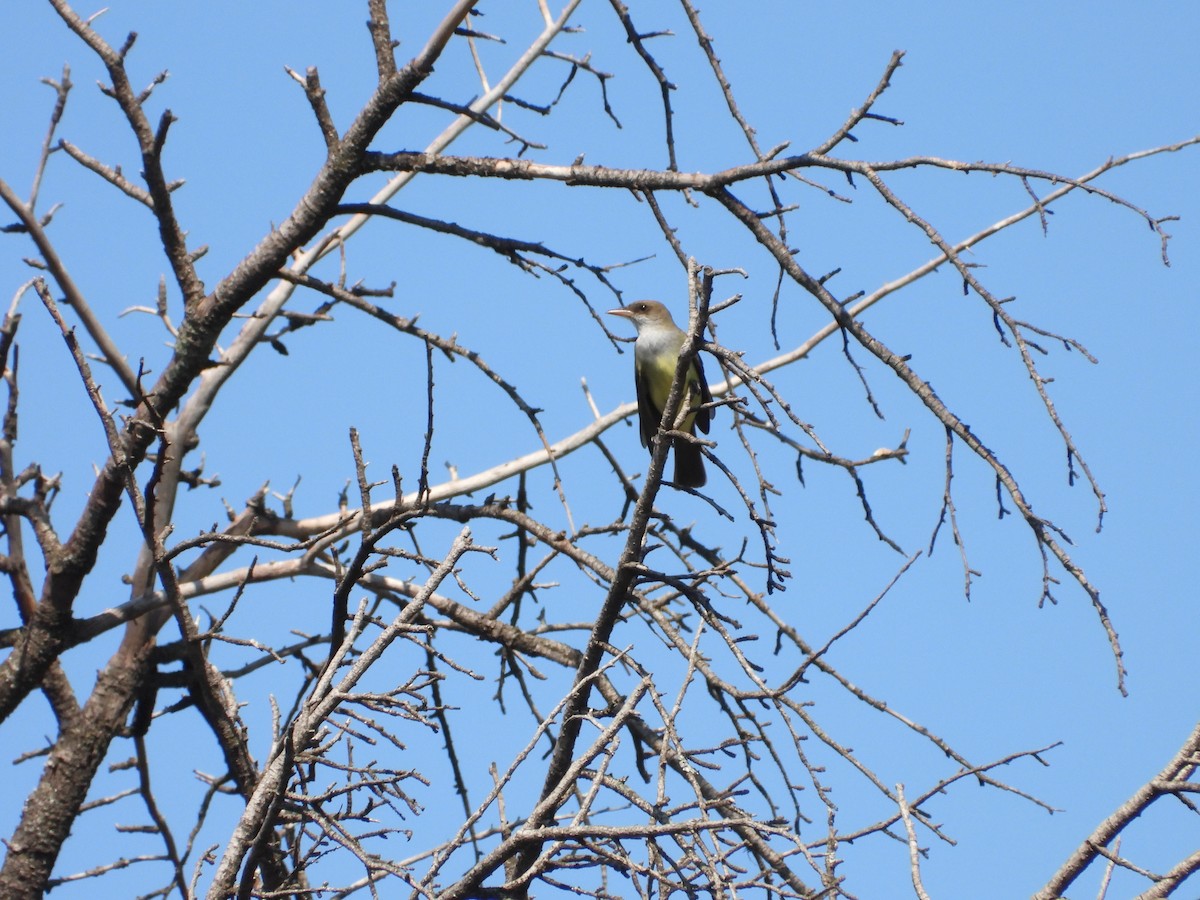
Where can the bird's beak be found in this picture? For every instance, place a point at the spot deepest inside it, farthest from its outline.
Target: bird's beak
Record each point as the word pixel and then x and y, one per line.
pixel 623 313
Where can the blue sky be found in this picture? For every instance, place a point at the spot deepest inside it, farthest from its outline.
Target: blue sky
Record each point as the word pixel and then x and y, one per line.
pixel 1049 87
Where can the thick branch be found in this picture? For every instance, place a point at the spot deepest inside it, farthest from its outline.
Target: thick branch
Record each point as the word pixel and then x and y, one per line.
pixel 1179 769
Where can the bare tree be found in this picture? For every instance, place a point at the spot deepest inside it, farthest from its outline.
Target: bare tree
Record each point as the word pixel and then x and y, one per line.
pixel 648 697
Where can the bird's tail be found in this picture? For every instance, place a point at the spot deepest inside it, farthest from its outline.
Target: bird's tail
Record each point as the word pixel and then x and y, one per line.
pixel 689 464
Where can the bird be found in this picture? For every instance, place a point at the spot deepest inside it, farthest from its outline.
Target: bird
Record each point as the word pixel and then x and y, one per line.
pixel 655 357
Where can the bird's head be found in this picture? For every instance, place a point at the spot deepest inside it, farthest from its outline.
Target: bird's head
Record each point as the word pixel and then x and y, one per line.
pixel 645 313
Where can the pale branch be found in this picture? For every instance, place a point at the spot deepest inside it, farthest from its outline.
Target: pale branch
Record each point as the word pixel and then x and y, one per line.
pixel 580 174
pixel 949 509
pixel 914 850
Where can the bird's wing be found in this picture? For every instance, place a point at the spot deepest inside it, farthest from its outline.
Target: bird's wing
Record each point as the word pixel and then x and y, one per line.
pixel 703 416
pixel 648 416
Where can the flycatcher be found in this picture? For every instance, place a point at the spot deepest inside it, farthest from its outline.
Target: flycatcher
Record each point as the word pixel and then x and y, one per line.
pixel 655 356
